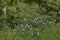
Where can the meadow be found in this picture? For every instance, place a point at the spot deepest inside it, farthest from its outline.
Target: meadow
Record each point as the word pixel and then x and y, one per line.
pixel 22 21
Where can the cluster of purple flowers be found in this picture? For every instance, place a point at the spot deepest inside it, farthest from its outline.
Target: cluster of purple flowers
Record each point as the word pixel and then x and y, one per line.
pixel 22 26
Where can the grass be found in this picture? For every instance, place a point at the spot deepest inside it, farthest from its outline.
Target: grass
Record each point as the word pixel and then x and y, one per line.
pixel 18 13
pixel 50 32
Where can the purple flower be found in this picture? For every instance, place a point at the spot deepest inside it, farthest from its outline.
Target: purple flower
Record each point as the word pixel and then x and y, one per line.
pixel 36 20
pixel 26 26
pixel 22 27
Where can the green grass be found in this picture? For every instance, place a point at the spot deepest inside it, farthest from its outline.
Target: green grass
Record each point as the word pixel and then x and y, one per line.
pixel 50 32
pixel 21 11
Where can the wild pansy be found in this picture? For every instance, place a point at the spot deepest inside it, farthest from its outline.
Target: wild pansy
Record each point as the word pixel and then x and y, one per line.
pixel 36 20
pixel 26 26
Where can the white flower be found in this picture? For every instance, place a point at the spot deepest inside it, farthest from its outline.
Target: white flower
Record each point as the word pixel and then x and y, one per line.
pixel 27 19
pixel 23 29
pixel 30 29
pixel 36 20
pixel 38 33
pixel 32 33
